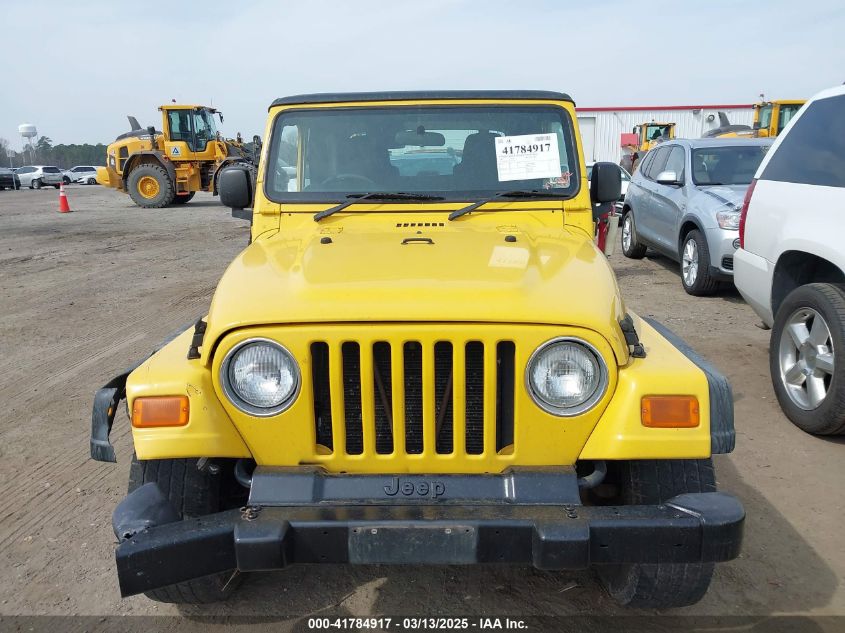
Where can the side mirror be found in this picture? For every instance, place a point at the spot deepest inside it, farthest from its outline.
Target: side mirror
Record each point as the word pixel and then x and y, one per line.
pixel 605 182
pixel 756 125
pixel 668 178
pixel 234 184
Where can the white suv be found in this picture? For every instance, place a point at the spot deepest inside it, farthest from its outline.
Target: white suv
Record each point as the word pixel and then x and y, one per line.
pixel 84 174
pixel 37 176
pixel 791 264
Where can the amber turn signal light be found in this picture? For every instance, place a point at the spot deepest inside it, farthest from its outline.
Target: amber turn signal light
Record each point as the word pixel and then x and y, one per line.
pixel 160 411
pixel 670 412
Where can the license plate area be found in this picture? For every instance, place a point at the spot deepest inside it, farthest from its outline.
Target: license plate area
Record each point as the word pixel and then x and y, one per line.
pixel 413 544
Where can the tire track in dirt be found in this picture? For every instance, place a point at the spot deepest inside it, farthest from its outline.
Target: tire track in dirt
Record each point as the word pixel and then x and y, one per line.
pixel 81 355
pixel 49 499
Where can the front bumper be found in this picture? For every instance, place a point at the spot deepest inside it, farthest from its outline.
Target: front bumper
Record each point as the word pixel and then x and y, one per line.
pixel 322 523
pixel 722 245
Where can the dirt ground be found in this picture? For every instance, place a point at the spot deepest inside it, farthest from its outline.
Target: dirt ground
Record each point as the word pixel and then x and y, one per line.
pixel 84 295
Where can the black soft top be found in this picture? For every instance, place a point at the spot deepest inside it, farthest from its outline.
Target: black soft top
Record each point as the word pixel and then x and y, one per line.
pixel 419 95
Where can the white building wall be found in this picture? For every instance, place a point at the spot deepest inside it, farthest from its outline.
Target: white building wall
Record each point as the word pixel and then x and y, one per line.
pixel 606 127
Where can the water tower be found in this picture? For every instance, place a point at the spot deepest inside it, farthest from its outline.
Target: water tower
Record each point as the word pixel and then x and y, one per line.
pixel 28 134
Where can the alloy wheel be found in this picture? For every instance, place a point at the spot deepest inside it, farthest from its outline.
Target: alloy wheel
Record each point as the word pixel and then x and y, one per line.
pixel 626 232
pixel 806 358
pixel 689 263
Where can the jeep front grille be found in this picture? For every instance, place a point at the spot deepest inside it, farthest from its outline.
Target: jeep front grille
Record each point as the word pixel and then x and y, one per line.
pixel 410 398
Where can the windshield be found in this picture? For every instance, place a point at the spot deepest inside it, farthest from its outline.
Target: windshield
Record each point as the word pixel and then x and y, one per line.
pixel 455 152
pixel 204 125
pixel 786 114
pixel 733 165
pixel 654 132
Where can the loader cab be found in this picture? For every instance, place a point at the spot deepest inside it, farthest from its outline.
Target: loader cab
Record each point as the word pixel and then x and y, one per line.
pixel 188 129
pixel 650 134
pixel 771 117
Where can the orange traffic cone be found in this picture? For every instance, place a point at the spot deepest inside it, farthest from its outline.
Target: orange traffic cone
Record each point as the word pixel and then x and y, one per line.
pixel 64 207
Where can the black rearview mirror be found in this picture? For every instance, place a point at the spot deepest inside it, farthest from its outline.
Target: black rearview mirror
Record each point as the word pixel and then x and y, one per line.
pixel 235 186
pixel 605 182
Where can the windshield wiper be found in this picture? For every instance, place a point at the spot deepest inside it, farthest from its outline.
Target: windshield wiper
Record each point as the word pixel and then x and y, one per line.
pixel 354 198
pixel 519 193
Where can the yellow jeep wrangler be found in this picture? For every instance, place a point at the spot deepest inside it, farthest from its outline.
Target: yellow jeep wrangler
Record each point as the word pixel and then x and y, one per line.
pixel 422 358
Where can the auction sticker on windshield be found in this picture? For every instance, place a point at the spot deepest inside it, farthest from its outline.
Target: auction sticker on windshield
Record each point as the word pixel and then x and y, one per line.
pixel 527 156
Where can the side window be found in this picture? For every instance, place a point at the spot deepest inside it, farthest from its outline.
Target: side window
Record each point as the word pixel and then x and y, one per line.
pixel 180 126
pixel 675 162
pixel 658 162
pixel 646 163
pixel 813 151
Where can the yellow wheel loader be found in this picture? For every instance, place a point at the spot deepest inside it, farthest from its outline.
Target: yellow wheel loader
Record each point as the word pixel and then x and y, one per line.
pixel 649 135
pixel 160 168
pixel 770 117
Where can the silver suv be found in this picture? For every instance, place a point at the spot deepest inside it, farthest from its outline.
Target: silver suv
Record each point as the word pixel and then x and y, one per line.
pixel 37 176
pixel 684 201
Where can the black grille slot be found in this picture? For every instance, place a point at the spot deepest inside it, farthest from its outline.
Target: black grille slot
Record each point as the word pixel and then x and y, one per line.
pixel 413 398
pixel 383 396
pixel 322 394
pixel 504 394
pixel 728 262
pixel 443 413
pixel 352 398
pixel 474 377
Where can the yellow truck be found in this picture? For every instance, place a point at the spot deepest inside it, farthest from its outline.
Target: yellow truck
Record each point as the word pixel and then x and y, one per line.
pixel 160 168
pixel 415 365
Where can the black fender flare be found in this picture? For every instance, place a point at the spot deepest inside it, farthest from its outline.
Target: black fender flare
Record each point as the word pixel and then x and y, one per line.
pixel 688 218
pixel 157 155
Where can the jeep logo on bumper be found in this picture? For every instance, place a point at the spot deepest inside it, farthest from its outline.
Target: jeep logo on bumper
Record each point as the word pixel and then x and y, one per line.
pixel 407 488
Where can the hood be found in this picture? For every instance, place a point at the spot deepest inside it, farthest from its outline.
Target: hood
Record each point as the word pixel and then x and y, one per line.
pixel 731 196
pixel 458 272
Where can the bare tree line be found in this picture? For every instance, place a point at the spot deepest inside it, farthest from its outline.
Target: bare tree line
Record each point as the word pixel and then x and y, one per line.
pixel 45 153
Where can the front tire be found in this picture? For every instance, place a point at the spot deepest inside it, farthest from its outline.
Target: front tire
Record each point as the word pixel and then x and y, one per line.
pixel 66 180
pixel 631 248
pixel 660 585
pixel 808 331
pixel 193 493
pixel 695 266
pixel 150 187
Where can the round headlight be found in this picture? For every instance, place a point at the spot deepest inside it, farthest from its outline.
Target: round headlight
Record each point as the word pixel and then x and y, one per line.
pixel 260 377
pixel 566 377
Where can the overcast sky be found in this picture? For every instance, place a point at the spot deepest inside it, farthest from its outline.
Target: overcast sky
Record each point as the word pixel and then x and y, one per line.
pixel 76 69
